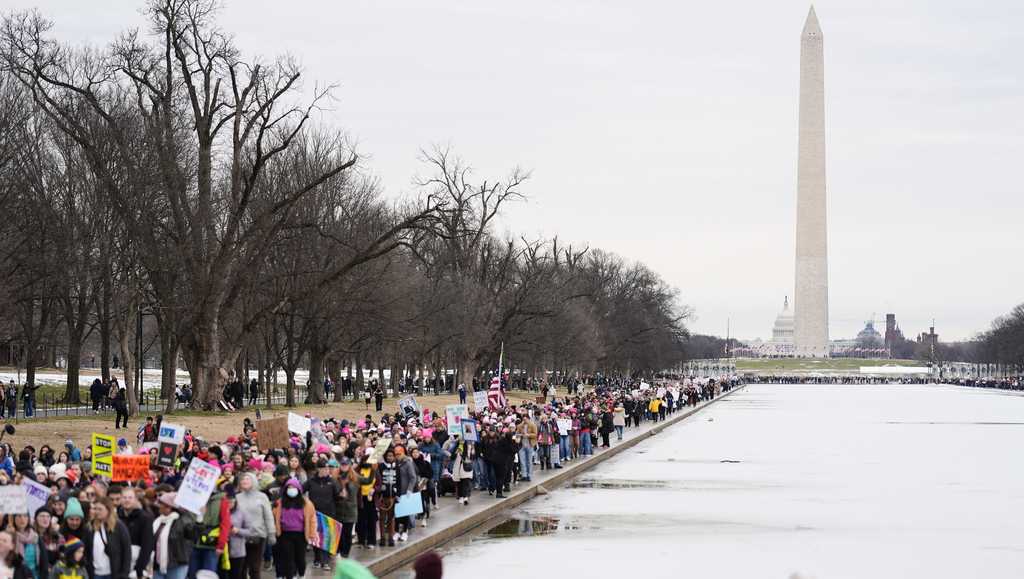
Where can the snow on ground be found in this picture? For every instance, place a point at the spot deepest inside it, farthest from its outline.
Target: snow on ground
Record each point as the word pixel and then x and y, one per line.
pixel 832 482
pixel 150 377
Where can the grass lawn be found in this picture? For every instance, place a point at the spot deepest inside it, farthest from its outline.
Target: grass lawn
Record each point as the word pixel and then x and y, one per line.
pixel 807 365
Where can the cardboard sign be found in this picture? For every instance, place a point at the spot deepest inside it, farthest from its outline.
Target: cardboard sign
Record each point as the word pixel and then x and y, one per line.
pixel 13 500
pixel 379 450
pixel 197 486
pixel 273 433
pixel 173 433
pixel 409 407
pixel 299 424
pixel 102 454
pixel 480 400
pixel 540 399
pixel 564 426
pixel 454 413
pixel 35 495
pixel 130 467
pixel 470 432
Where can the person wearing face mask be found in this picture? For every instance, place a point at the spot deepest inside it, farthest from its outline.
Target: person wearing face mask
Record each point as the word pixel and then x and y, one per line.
pixel 259 513
pixel 295 522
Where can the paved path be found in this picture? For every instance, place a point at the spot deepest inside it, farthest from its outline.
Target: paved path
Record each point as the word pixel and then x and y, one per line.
pixel 450 520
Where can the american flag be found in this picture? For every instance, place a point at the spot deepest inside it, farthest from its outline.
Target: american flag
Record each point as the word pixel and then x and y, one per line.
pixel 495 397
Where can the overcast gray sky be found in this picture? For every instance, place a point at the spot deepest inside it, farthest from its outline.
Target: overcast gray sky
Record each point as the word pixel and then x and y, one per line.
pixel 666 132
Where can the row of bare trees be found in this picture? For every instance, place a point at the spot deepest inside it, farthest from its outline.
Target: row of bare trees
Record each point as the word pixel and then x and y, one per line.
pixel 165 172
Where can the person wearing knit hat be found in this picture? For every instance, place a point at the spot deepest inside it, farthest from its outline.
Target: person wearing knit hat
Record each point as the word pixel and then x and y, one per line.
pixel 72 561
pixel 428 566
pixel 73 524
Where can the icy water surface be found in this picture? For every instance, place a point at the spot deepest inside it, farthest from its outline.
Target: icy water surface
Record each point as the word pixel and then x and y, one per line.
pixel 819 481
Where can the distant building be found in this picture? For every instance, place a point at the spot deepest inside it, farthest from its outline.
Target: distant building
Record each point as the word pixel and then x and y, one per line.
pixel 893 333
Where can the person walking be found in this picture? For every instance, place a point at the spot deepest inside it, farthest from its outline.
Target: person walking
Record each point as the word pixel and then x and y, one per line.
pixel 462 393
pixel 346 505
pixel 28 394
pixel 295 523
pixel 462 469
pixel 172 545
pixel 96 393
pixel 366 521
pixel 378 398
pixel 140 528
pixel 11 397
pixel 619 419
pixel 254 392
pixel 108 545
pixel 323 491
pixel 386 496
pixel 527 432
pixel 260 514
pixel 606 428
pixel 119 400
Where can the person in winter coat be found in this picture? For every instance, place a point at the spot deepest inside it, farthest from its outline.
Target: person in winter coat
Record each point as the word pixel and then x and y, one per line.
pixel 295 522
pixel 73 521
pixel 366 523
pixel 260 513
pixel 462 469
pixel 502 453
pixel 425 472
pixel 12 564
pixel 619 420
pixel 26 542
pixel 96 394
pixel 347 504
pixel 322 491
pixel 108 546
pixel 72 561
pixel 242 530
pixel 173 535
pixel 408 481
pixel 140 528
pixel 50 541
pixel 606 428
pixel 386 496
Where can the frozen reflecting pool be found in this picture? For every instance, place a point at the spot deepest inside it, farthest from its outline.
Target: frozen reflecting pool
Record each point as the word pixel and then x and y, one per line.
pixel 821 481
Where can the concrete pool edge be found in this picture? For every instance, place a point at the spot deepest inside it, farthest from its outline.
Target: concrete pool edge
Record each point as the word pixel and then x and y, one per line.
pixel 395 560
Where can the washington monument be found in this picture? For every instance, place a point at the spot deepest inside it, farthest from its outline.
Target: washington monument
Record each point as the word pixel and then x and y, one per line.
pixel 810 336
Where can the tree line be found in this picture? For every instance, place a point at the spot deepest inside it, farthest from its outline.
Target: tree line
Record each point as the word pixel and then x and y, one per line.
pixel 168 173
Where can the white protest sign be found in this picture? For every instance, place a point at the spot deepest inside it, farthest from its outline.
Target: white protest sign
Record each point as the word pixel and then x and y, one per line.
pixel 480 400
pixel 197 486
pixel 13 500
pixel 409 407
pixel 454 413
pixel 35 495
pixel 172 433
pixel 299 424
pixel 564 426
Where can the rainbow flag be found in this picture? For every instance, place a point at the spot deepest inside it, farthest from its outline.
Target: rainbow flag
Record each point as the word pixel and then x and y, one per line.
pixel 328 532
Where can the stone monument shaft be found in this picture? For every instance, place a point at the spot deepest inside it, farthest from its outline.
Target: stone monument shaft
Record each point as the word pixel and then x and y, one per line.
pixel 810 336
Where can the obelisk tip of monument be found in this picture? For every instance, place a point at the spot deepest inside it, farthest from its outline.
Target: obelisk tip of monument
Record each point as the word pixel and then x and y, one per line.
pixel 811 26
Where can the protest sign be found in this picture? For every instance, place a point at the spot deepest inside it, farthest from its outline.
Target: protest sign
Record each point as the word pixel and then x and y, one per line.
pixel 469 430
pixel 35 495
pixel 379 450
pixel 197 486
pixel 299 424
pixel 272 433
pixel 409 406
pixel 130 467
pixel 540 399
pixel 13 500
pixel 480 400
pixel 409 504
pixel 102 454
pixel 170 437
pixel 454 413
pixel 564 426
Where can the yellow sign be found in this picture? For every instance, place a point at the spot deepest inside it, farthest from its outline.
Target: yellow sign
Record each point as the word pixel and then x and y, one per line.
pixel 102 454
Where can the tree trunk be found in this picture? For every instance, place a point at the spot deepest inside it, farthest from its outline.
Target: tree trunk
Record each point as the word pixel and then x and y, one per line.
pixel 168 361
pixel 123 323
pixel 72 393
pixel 358 384
pixel 316 375
pixel 104 312
pixel 289 373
